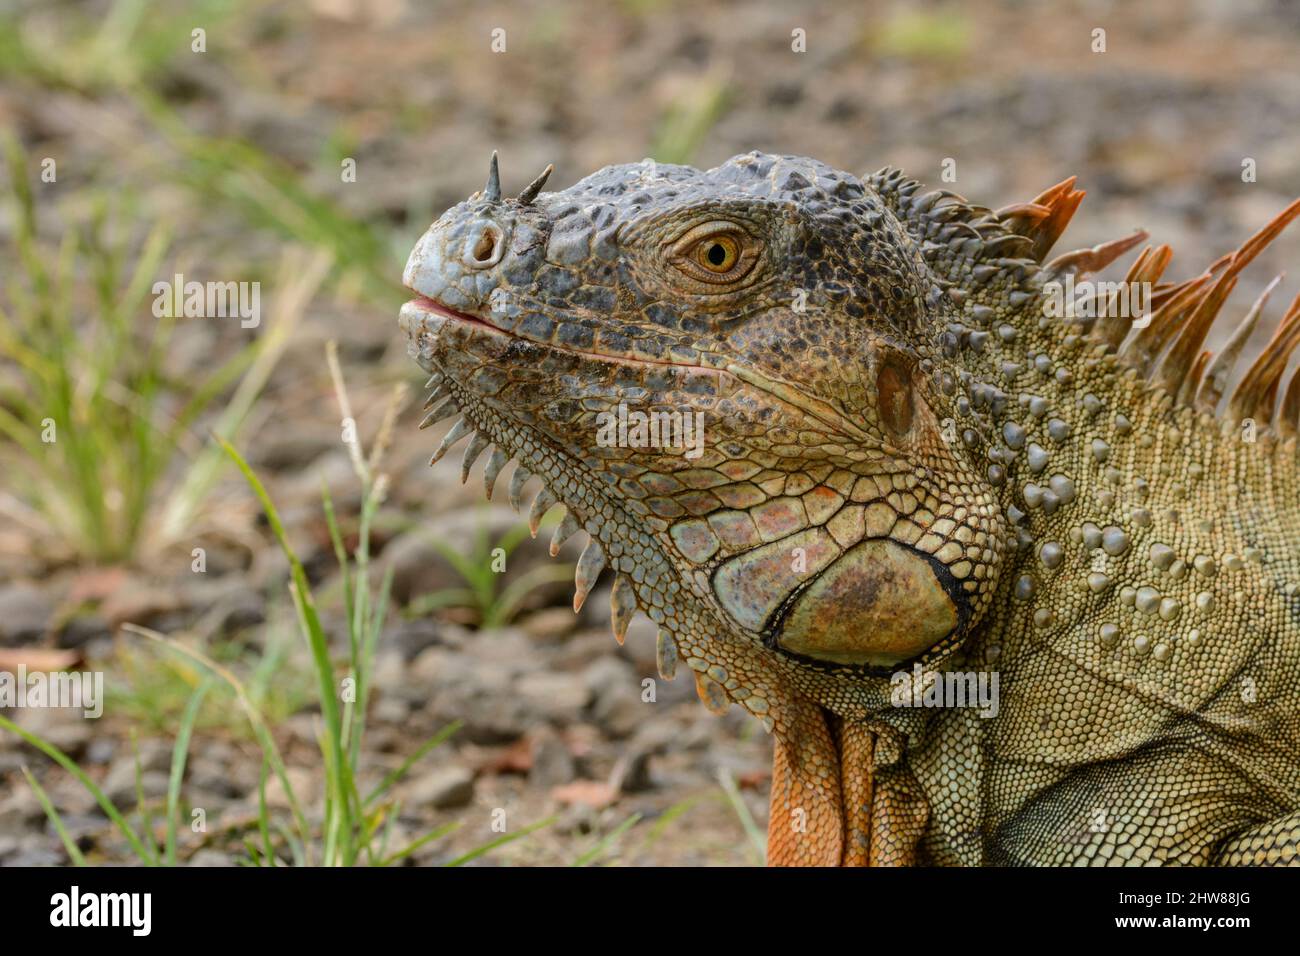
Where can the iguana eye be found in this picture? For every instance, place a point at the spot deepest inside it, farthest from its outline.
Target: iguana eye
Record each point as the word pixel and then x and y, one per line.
pixel 716 253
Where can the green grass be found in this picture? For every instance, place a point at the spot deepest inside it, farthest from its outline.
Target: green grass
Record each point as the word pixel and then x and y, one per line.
pixel 94 425
pixel 688 120
pixel 491 604
pixel 150 688
pixel 922 35
pixel 352 826
pixel 131 54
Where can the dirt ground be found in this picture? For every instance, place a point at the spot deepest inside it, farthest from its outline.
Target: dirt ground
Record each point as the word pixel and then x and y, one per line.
pixel 554 717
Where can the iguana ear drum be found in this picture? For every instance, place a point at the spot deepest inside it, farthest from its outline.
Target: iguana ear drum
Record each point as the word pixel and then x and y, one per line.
pixel 894 394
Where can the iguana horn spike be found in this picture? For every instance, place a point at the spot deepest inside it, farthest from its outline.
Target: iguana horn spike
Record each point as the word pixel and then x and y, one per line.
pixel 517 482
pixel 590 564
pixel 458 431
pixel 1257 392
pixel 532 189
pixel 541 504
pixel 1215 383
pixel 622 605
pixel 476 447
pixel 492 191
pixel 492 470
pixel 565 530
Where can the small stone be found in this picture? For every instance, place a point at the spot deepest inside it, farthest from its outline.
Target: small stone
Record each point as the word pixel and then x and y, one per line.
pixel 442 789
pixel 25 613
pixel 1205 566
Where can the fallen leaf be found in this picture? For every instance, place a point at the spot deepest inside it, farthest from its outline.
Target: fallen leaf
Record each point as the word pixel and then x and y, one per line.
pixel 38 659
pixel 590 793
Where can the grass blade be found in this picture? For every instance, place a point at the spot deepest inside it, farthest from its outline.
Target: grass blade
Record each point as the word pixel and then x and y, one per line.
pixel 74 852
pixel 64 761
pixel 478 851
pixel 180 752
pixel 401 771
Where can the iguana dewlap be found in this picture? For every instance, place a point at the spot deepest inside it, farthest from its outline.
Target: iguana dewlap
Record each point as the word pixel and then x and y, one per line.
pixel 912 463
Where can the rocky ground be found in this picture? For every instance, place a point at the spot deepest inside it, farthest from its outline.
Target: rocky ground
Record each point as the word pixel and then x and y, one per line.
pixel 554 720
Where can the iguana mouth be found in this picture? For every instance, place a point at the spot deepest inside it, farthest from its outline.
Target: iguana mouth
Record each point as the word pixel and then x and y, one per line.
pixel 423 305
pixel 426 305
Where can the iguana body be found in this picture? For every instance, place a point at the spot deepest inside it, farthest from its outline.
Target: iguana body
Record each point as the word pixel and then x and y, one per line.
pixel 908 461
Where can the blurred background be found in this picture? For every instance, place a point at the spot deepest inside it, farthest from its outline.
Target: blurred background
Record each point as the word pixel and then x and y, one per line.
pixel 272 603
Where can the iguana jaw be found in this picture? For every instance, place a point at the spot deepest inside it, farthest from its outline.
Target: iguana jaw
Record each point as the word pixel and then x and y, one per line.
pixel 424 312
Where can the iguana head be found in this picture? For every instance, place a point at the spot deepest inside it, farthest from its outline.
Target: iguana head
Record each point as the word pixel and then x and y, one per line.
pixel 827 428
pixel 828 518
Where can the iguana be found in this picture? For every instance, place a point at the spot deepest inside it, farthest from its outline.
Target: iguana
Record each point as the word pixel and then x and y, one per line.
pixel 914 464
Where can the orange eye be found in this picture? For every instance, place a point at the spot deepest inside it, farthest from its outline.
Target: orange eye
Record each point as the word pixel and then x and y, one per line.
pixel 718 254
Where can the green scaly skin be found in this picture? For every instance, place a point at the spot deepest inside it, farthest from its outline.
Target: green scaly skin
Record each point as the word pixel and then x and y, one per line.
pixel 908 462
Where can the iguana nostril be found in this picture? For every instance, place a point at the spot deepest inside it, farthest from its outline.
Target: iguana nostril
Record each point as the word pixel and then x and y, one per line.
pixel 486 246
